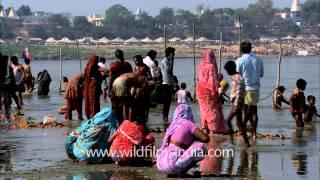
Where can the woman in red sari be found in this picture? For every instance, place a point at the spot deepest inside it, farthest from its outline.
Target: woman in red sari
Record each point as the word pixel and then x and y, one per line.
pixel 211 114
pixel 74 97
pixel 92 87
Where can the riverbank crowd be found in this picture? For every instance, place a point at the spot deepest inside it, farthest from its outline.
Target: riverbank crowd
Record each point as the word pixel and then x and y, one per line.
pixel 134 90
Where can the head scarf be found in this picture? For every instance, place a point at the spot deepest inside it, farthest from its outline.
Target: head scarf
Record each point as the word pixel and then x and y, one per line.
pixel 208 70
pixel 182 114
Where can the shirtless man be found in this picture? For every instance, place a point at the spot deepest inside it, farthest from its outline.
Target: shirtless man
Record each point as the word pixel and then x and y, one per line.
pixel 28 84
pixel 19 76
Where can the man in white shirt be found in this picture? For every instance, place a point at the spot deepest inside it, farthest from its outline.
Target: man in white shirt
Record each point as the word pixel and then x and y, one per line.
pixel 149 61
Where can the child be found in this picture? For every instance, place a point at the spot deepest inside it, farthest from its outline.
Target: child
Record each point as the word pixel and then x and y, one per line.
pixel 278 98
pixel 183 96
pixel 298 102
pixel 237 99
pixel 311 109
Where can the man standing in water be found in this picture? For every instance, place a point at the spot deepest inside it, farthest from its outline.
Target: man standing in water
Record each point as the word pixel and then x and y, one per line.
pixel 168 81
pixel 28 84
pixel 251 69
pixel 19 76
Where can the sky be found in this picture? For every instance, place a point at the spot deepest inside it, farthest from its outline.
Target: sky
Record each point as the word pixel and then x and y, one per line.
pixel 86 7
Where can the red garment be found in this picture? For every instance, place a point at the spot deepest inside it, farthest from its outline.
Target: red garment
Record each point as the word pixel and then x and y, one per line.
pixel 117 68
pixel 128 136
pixel 92 87
pixel 211 114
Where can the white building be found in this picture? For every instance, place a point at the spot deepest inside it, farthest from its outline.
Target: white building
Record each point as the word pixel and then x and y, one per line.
pixel 95 19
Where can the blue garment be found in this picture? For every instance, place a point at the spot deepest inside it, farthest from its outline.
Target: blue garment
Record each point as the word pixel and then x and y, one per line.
pixel 166 71
pixel 251 69
pixel 90 135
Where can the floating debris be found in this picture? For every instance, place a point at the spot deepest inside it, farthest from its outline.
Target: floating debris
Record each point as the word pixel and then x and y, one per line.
pixel 266 136
pixel 21 122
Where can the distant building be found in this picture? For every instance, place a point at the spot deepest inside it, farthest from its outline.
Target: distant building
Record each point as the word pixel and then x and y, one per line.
pixel 138 14
pixel 296 12
pixel 95 19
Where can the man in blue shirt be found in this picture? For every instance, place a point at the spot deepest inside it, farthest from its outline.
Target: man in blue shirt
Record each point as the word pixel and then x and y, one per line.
pixel 167 81
pixel 251 69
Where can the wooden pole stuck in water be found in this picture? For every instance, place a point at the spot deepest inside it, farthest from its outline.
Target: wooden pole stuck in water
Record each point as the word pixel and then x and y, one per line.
pixel 165 37
pixel 239 21
pixel 78 54
pixel 60 57
pixel 279 64
pixel 220 53
pixel 194 62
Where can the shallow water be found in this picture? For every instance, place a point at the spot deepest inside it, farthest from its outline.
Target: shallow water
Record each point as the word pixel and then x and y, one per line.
pixel 24 150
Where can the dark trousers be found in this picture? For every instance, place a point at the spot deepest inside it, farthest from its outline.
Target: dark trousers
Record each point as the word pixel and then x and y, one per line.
pixel 167 91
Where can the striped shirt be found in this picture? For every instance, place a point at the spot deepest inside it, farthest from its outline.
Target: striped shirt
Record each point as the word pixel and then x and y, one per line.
pixel 237 91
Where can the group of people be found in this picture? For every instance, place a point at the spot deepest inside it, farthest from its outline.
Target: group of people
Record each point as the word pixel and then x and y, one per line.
pixel 16 79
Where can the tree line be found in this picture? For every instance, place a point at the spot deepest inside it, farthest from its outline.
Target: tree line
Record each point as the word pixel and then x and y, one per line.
pixel 257 20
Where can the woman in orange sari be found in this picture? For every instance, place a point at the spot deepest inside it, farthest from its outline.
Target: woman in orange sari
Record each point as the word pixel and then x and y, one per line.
pixel 92 87
pixel 211 114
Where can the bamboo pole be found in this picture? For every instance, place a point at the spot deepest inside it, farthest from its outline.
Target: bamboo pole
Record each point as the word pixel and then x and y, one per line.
pixel 60 57
pixel 165 37
pixel 97 49
pixel 194 63
pixel 239 20
pixel 78 54
pixel 279 64
pixel 220 53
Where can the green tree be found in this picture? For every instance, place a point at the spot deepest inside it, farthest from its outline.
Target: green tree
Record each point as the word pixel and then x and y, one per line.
pixel 24 10
pixel 166 16
pixel 59 21
pixel 311 12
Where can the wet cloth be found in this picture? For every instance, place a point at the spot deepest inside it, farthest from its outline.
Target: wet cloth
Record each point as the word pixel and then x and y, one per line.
pixel 172 159
pixel 92 134
pixel 251 69
pixel 211 114
pixel 237 91
pixel 129 136
pixel 182 96
pixel 92 87
pixel 251 98
pixel 44 80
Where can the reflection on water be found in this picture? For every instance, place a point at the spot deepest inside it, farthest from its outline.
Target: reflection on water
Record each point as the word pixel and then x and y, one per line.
pixel 112 175
pixel 299 162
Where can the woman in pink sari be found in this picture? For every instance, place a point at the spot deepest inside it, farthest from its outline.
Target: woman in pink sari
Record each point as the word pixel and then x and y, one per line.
pixel 211 114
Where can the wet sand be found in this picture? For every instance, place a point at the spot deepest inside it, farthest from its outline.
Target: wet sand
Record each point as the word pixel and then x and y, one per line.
pixel 39 153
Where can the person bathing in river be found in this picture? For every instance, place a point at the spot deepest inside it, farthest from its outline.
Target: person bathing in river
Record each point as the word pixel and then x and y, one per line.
pixel 183 144
pixel 183 96
pixel 298 102
pixel 28 83
pixel 117 68
pixel 92 87
pixel 127 88
pixel 311 109
pixel 279 98
pixel 237 99
pixel 74 97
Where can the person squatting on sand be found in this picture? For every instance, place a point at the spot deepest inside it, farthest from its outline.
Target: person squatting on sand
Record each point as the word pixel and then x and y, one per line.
pixel 183 144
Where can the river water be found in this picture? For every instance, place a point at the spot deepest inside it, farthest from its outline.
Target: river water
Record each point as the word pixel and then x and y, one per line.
pixel 24 150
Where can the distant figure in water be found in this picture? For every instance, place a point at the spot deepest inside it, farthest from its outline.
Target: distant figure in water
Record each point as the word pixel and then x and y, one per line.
pixel 43 80
pixel 298 102
pixel 237 99
pixel 28 82
pixel 74 97
pixel 183 96
pixel 279 98
pixel 92 87
pixel 311 109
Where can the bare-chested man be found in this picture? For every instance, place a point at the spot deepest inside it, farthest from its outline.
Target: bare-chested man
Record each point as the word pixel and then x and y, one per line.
pixel 28 84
